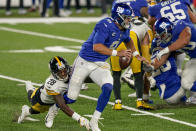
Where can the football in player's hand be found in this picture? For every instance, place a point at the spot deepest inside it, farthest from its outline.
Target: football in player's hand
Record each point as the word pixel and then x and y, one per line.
pixel 124 62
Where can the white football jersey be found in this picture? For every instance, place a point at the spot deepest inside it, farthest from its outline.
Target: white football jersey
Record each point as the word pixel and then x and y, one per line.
pixel 52 87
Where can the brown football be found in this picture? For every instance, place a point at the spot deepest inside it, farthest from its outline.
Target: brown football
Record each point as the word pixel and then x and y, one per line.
pixel 124 62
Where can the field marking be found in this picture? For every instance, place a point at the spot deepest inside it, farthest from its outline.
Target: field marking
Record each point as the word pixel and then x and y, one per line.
pixel 111 103
pixel 84 20
pixel 41 34
pixel 139 114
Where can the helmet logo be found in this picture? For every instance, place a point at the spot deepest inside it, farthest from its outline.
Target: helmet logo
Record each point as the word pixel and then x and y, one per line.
pixel 59 64
pixel 163 25
pixel 120 10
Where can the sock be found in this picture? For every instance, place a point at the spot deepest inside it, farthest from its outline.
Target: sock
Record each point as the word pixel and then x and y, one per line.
pixel 104 97
pixel 139 84
pixel 117 85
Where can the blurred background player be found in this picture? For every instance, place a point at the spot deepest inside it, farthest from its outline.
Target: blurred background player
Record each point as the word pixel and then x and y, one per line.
pixel 141 36
pixel 21 9
pixel 51 93
pixel 78 7
pixel 45 5
pixel 33 7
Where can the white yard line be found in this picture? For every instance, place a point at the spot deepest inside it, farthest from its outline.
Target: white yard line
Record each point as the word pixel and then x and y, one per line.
pixel 111 103
pixel 84 20
pixel 40 34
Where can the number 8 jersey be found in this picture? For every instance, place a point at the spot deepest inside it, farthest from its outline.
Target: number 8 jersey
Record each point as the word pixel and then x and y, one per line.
pixel 171 9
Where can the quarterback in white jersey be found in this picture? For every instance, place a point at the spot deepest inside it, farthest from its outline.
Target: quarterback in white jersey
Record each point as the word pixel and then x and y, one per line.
pixel 50 95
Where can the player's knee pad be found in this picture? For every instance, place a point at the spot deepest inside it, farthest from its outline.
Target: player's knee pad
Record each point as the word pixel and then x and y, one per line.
pixel 107 89
pixel 186 84
pixel 68 100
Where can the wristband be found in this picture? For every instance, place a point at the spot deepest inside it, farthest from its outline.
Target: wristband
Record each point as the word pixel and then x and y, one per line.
pixel 76 116
pixel 135 53
pixel 114 52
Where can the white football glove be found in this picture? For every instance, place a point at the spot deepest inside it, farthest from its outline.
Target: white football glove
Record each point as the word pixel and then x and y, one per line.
pixel 84 123
pixel 152 82
pixel 162 52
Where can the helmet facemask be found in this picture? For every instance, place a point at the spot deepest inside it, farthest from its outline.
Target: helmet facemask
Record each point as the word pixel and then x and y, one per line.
pixel 165 36
pixel 125 21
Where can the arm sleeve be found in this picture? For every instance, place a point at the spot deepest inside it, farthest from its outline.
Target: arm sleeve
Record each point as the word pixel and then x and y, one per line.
pixel 101 33
pixel 152 11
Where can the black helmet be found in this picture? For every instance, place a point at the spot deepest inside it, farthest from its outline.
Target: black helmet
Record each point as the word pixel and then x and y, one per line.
pixel 59 68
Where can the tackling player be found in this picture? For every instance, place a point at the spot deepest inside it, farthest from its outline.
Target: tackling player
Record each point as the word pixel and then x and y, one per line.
pixel 50 94
pixel 142 36
pixel 167 79
pixel 179 36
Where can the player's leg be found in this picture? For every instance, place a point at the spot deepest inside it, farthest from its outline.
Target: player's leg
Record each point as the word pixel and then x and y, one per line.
pixel 52 112
pixel 101 76
pixel 177 97
pixel 179 62
pixel 81 69
pixel 138 74
pixel 36 108
pixel 116 73
pixel 189 75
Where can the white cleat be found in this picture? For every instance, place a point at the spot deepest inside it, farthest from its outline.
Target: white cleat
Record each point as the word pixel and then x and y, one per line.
pixel 24 114
pixel 94 125
pixel 84 87
pixel 191 100
pixel 49 119
pixel 29 86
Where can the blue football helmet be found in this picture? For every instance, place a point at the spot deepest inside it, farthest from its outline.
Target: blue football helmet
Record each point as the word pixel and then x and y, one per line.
pixel 163 28
pixel 122 12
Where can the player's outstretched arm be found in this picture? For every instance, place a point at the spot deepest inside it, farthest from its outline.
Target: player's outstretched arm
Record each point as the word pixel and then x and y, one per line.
pixel 67 110
pixel 183 40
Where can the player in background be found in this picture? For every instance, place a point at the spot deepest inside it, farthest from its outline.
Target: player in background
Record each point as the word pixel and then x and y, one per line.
pixel 141 35
pixel 167 79
pixel 51 93
pixel 173 10
pixel 102 43
pixel 179 36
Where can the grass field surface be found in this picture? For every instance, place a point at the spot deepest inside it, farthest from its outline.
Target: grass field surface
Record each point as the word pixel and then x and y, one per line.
pixel 25 50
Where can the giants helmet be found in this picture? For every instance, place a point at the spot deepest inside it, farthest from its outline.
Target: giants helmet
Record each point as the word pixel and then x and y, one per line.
pixel 120 12
pixel 163 28
pixel 59 68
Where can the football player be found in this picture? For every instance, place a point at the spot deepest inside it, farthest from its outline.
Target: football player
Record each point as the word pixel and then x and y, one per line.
pixel 51 93
pixel 167 79
pixel 141 35
pixel 179 36
pixel 173 10
pixel 102 43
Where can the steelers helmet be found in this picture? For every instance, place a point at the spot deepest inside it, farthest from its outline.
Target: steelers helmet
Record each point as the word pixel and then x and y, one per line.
pixel 59 68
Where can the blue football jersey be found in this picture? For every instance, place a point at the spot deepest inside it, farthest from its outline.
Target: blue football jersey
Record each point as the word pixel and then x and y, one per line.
pixel 189 49
pixel 166 76
pixel 171 9
pixel 105 32
pixel 135 4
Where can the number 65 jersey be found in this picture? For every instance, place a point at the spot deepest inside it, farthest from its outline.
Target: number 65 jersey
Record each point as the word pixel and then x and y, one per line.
pixel 171 9
pixel 52 87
